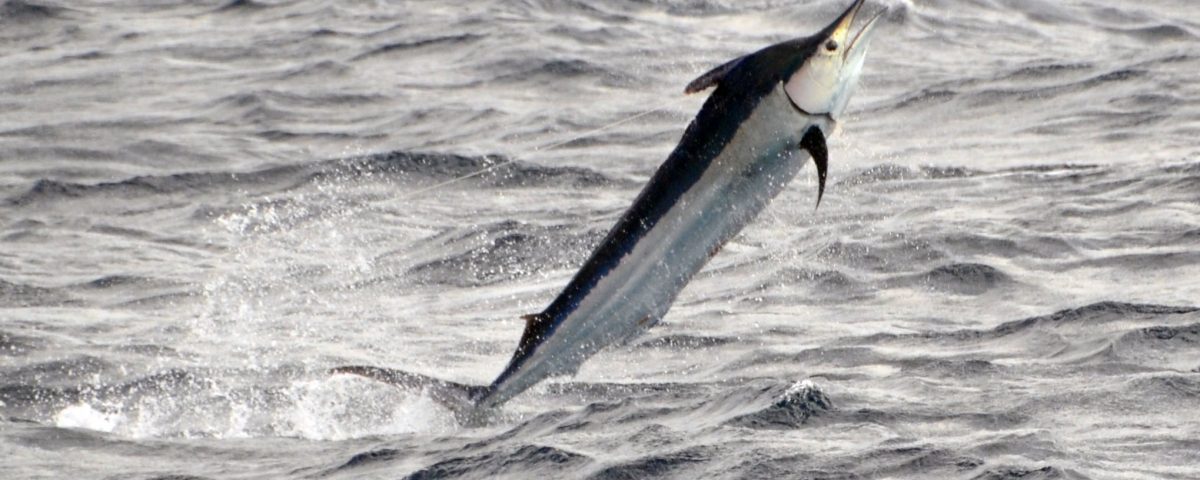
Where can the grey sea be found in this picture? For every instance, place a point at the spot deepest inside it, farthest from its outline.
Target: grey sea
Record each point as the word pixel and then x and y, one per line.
pixel 204 206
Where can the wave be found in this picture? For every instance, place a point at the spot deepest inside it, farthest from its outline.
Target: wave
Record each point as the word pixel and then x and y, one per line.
pixel 1139 261
pixel 47 386
pixel 502 251
pixel 811 357
pixel 1028 473
pixel 1157 33
pixel 242 6
pixel 321 70
pixel 961 367
pixel 539 71
pixel 1096 313
pixel 272 98
pixel 965 278
pixel 57 371
pixel 17 345
pixel 1181 387
pixel 528 461
pixel 888 172
pixel 397 166
pixel 118 281
pixel 22 295
pixel 660 465
pixel 1006 418
pixel 898 253
pixel 1056 169
pixel 24 13
pixel 824 280
pixel 974 243
pixel 270 107
pixel 1045 83
pixel 1100 333
pixel 89 55
pixel 791 286
pixel 177 477
pixel 794 408
pixel 888 460
pixel 382 455
pixel 405 47
pixel 1157 337
pixel 685 342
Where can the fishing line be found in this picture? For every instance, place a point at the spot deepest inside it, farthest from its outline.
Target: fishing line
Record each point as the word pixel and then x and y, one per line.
pixel 543 148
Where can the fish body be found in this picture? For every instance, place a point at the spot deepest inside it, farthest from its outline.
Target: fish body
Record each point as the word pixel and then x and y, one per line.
pixel 770 112
pixel 751 137
pixel 720 177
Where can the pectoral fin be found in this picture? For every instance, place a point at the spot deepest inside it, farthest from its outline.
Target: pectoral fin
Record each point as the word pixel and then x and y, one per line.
pixel 814 143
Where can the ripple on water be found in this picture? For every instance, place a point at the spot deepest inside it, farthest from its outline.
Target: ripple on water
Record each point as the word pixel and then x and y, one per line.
pixel 396 165
pixel 527 461
pixel 965 278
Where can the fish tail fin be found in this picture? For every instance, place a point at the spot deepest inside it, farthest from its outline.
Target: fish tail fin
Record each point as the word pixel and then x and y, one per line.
pixel 460 398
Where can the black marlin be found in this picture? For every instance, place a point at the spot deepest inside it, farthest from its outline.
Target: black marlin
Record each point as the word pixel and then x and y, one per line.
pixel 771 110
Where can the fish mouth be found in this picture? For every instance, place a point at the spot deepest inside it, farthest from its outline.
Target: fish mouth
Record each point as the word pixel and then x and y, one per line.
pixel 840 29
pixel 863 37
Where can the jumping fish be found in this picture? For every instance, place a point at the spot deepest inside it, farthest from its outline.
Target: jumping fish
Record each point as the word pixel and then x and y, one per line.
pixel 770 111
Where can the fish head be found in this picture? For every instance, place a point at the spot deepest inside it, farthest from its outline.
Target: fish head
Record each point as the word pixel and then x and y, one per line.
pixel 824 80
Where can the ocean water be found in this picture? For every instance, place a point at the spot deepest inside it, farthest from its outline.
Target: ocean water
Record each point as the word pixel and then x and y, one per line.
pixel 206 205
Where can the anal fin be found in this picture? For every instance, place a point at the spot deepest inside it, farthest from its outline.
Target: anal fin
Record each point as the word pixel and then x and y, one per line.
pixel 536 325
pixel 643 324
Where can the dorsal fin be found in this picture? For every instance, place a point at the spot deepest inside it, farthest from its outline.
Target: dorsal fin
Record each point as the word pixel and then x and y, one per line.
pixel 712 77
pixel 535 327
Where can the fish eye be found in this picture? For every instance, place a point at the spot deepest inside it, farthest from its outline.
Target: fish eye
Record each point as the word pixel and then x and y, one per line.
pixel 831 45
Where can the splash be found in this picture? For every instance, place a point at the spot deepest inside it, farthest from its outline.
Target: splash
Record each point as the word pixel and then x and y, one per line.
pixel 343 407
pixel 327 409
pixel 88 418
